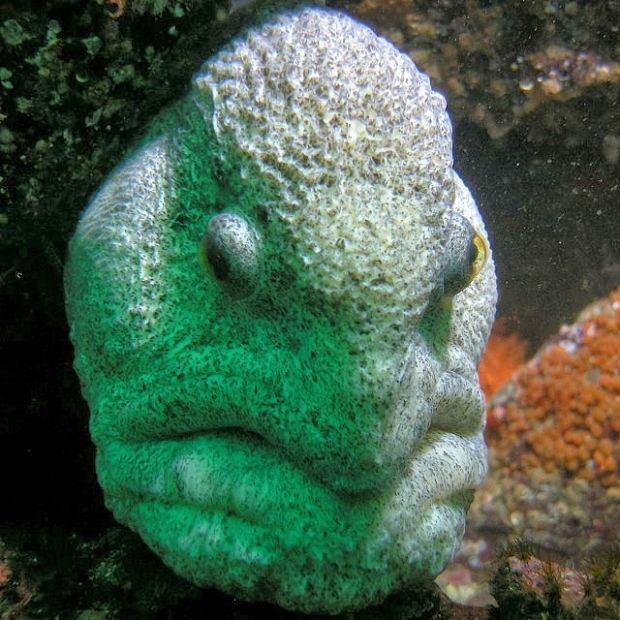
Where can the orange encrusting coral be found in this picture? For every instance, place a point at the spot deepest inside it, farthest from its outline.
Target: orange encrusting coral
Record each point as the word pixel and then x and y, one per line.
pixel 564 411
pixel 504 353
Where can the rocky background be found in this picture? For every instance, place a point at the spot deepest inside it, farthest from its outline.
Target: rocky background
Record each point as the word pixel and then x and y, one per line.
pixel 533 89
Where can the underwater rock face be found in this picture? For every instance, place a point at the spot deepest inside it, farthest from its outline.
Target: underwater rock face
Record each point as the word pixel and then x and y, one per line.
pixel 278 304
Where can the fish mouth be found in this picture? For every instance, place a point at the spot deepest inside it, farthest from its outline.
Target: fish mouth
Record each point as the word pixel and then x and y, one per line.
pixel 232 471
pixel 239 473
pixel 196 420
pixel 227 507
pixel 347 459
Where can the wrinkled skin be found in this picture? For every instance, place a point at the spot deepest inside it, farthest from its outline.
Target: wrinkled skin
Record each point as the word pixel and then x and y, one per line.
pixel 277 313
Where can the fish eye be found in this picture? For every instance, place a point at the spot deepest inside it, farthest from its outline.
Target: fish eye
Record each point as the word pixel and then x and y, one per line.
pixel 479 255
pixel 230 252
pixel 468 253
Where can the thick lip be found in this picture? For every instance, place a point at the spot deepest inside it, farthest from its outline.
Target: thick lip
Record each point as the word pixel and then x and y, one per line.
pixel 229 470
pixel 339 452
pixel 227 497
pixel 239 474
pixel 181 412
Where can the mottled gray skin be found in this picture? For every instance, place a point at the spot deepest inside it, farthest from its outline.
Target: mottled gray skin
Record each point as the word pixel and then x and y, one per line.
pixel 278 304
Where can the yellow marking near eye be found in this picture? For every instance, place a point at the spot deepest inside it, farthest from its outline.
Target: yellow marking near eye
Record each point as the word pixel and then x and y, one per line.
pixel 482 253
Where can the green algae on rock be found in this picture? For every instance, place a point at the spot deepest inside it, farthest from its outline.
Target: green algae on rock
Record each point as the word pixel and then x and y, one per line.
pixel 278 304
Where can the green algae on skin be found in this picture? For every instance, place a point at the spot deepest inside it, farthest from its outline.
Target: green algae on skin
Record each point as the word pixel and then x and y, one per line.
pixel 249 296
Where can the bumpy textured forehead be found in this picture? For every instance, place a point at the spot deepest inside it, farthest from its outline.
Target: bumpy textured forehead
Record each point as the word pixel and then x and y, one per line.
pixel 356 143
